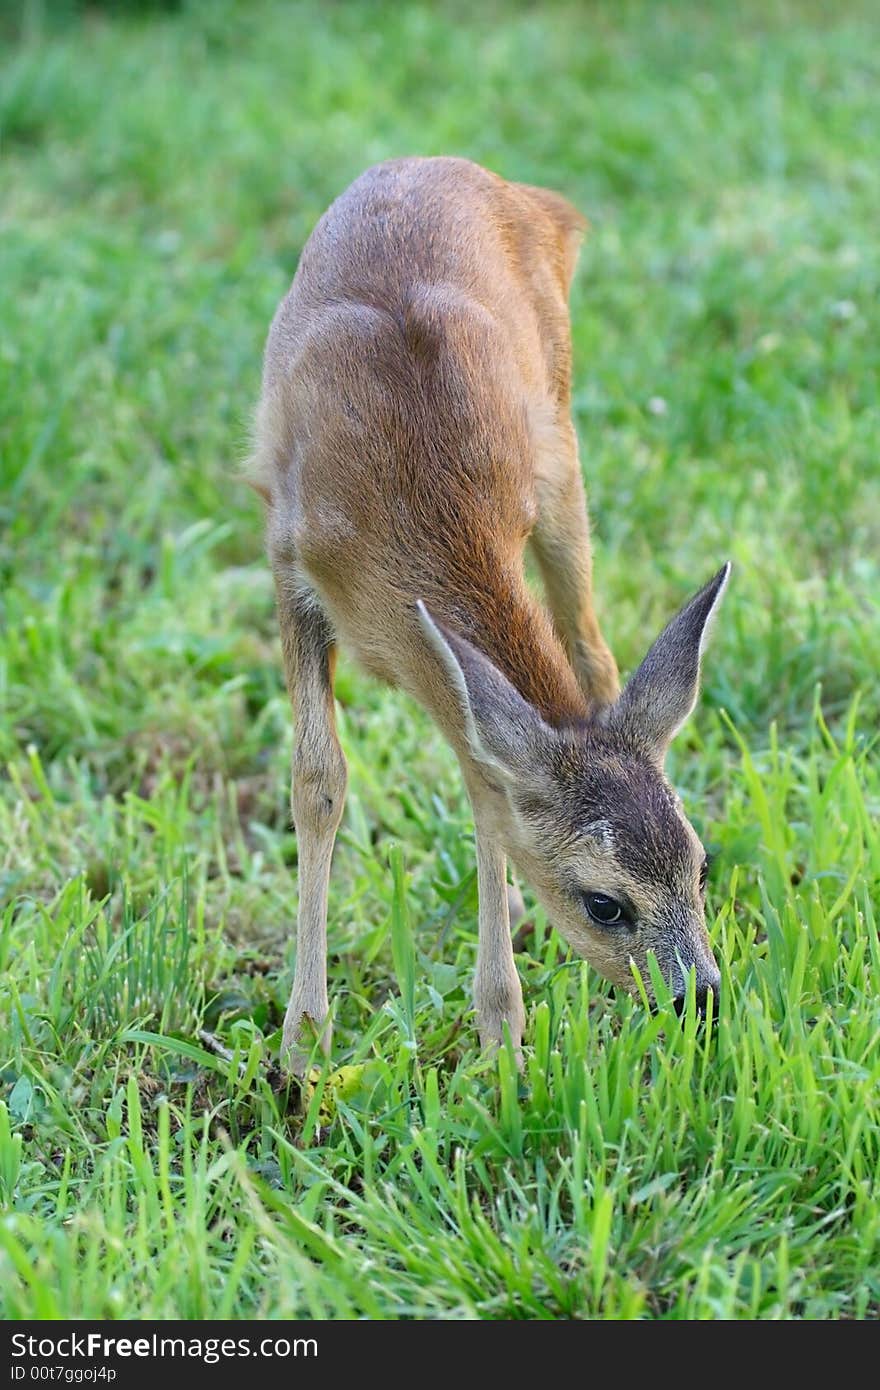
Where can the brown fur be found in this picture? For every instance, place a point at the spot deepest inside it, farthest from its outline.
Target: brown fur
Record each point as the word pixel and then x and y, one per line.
pixel 413 434
pixel 427 331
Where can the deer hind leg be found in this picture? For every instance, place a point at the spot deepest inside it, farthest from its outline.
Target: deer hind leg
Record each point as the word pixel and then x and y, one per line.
pixel 516 908
pixel 317 798
pixel 561 544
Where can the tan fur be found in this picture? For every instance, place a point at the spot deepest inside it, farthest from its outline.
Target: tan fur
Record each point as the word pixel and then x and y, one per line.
pixel 395 432
pixel 413 434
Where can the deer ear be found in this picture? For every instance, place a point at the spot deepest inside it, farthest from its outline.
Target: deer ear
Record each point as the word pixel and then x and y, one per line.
pixel 505 734
pixel 661 694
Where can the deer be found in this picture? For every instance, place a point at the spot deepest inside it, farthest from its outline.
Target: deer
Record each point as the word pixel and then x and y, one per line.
pixel 413 435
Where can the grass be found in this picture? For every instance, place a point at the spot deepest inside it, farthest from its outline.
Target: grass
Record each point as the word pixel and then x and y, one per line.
pixel 160 171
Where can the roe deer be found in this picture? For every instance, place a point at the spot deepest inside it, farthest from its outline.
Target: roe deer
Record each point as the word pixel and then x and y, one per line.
pixel 412 434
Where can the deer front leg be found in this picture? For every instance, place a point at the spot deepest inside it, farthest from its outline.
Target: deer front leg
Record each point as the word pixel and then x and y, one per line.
pixel 561 543
pixel 317 798
pixel 497 989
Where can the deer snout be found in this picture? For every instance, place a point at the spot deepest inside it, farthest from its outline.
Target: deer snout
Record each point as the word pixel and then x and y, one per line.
pixel 712 980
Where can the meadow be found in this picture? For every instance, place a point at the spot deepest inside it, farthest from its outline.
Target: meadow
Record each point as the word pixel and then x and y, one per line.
pixel 160 168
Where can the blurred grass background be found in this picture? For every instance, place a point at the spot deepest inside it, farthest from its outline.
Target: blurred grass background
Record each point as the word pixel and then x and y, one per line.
pixel 160 168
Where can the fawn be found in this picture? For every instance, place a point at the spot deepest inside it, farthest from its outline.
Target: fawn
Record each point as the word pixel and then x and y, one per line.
pixel 413 433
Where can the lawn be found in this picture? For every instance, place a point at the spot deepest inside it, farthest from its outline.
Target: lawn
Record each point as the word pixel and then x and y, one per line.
pixel 160 169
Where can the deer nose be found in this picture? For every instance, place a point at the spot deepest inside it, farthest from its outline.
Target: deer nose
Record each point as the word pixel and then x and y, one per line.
pixel 702 999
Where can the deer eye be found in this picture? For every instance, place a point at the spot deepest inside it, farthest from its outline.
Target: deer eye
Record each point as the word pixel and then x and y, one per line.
pixel 704 875
pixel 604 910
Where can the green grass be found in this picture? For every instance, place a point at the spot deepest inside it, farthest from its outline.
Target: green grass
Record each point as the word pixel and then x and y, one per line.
pixel 159 173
